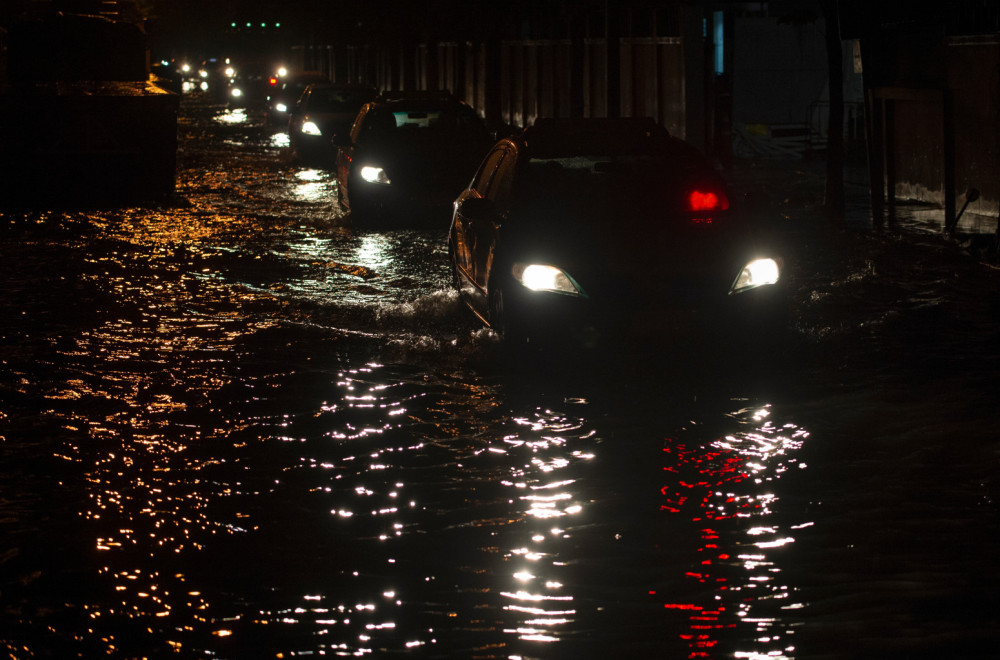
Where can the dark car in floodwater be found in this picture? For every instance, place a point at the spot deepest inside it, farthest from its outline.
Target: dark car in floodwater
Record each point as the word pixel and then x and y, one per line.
pixel 409 153
pixel 284 91
pixel 584 232
pixel 324 111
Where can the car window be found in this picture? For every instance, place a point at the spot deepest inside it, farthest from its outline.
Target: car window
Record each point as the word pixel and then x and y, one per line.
pixel 338 100
pixel 482 180
pixel 503 179
pixel 422 122
pixel 360 122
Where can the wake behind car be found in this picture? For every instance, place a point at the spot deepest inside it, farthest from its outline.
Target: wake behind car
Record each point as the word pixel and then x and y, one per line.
pixel 324 111
pixel 409 153
pixel 597 231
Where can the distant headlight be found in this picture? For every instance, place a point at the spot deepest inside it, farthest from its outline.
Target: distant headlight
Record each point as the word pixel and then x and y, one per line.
pixel 540 277
pixel 281 107
pixel 236 92
pixel 310 128
pixel 756 273
pixel 374 174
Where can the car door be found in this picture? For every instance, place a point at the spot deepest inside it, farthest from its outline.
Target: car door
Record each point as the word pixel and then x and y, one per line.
pixel 346 153
pixel 464 238
pixel 484 228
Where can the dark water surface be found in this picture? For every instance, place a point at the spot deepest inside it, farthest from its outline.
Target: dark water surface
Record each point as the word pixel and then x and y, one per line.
pixel 237 426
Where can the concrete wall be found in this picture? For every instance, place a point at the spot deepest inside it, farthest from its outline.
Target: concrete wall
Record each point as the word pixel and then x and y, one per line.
pixel 959 78
pixel 779 71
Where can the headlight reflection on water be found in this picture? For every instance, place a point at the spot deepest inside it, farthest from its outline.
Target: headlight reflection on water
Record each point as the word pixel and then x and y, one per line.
pixel 314 185
pixel 233 116
pixel 543 492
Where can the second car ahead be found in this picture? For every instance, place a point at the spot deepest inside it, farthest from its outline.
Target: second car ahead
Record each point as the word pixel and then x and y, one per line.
pixel 284 91
pixel 409 153
pixel 595 232
pixel 324 111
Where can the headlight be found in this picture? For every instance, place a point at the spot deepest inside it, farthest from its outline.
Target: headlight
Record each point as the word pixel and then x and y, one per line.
pixel 281 107
pixel 310 128
pixel 756 273
pixel 236 92
pixel 541 277
pixel 374 174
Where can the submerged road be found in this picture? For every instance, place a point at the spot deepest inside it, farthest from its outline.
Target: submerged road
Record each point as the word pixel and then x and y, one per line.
pixel 235 425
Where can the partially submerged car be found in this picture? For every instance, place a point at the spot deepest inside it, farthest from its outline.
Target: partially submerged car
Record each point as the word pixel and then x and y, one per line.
pixel 324 111
pixel 409 153
pixel 596 231
pixel 284 91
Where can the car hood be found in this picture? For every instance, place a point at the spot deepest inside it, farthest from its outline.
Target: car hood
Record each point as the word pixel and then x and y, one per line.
pixel 623 245
pixel 424 160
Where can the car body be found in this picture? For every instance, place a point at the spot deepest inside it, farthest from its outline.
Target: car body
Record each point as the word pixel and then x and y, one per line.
pixel 409 154
pixel 284 91
pixel 324 111
pixel 585 232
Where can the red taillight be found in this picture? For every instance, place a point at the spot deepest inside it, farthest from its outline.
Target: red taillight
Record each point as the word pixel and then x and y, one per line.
pixel 273 81
pixel 701 200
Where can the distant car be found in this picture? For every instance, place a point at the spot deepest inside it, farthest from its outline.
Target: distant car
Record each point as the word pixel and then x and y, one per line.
pixel 247 86
pixel 324 111
pixel 408 154
pixel 285 91
pixel 585 232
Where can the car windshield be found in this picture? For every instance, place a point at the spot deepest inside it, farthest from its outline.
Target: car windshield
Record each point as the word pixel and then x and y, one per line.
pixel 600 185
pixel 338 100
pixel 437 124
pixel 576 175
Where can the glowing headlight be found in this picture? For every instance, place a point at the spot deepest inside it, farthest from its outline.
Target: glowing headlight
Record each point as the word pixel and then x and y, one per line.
pixel 236 92
pixel 539 277
pixel 756 273
pixel 230 72
pixel 374 174
pixel 310 128
pixel 281 107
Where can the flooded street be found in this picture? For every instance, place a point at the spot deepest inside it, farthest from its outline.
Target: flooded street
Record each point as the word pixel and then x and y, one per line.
pixel 235 425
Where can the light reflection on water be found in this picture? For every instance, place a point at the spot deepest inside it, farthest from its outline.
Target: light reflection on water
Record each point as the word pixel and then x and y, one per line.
pixel 274 433
pixel 432 485
pixel 729 488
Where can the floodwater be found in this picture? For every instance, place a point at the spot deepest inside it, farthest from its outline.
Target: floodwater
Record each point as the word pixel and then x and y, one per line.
pixel 236 426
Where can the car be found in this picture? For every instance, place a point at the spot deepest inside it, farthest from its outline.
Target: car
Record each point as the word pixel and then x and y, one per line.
pixel 408 154
pixel 582 233
pixel 247 84
pixel 284 91
pixel 324 111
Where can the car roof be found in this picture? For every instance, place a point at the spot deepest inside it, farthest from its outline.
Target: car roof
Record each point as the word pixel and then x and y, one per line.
pixel 341 85
pixel 435 96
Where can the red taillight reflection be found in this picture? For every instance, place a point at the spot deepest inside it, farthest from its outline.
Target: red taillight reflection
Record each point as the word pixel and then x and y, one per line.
pixel 699 200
